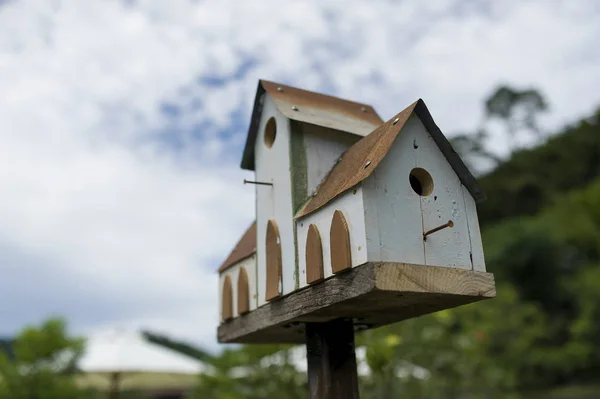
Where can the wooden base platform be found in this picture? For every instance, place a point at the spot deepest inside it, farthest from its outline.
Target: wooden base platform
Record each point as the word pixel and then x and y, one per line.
pixel 372 295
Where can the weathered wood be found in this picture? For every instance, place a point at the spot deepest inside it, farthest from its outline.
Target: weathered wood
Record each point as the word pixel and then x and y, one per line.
pixel 273 261
pixel 373 294
pixel 331 360
pixel 314 255
pixel 340 243
pixel 227 300
pixel 449 247
pixel 477 256
pixel 243 292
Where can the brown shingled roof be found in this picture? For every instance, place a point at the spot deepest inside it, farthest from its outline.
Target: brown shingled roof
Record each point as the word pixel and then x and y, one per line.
pixel 243 249
pixel 309 107
pixel 360 160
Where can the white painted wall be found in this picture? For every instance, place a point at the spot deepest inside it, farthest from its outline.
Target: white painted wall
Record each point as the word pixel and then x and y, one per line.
pixel 449 247
pixel 397 216
pixel 474 232
pixel 351 205
pixel 274 202
pixel 233 272
pixel 323 148
pixel 392 209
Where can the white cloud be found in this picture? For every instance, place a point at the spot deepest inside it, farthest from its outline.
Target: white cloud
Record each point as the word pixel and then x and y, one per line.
pixel 93 186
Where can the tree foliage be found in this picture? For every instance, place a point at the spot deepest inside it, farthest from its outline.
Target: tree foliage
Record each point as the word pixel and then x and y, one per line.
pixel 515 111
pixel 43 364
pixel 181 347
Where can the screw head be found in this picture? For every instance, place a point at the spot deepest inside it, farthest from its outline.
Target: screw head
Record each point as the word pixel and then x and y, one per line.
pixel 363 109
pixel 280 89
pixel 367 164
pixel 396 121
pixel 294 108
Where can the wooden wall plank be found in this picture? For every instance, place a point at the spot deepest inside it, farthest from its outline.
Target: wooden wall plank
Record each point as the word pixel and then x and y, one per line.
pixel 323 149
pixel 477 256
pixel 449 247
pixel 314 255
pixel 340 243
pixel 390 198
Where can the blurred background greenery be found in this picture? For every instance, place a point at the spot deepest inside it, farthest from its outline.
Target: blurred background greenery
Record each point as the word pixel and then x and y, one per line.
pixel 540 338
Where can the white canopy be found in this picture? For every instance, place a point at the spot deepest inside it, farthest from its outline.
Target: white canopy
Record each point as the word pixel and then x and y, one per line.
pixel 120 351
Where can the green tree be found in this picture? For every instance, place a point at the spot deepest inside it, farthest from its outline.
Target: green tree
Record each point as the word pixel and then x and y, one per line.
pixel 43 364
pixel 253 372
pixel 516 110
pixel 457 353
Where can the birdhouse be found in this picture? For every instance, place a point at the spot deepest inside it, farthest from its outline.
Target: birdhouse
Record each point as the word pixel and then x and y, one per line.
pixel 355 217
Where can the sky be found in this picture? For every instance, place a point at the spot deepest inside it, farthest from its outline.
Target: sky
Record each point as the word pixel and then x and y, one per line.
pixel 122 125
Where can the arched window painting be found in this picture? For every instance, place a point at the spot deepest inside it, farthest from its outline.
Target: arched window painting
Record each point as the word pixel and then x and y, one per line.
pixel 339 240
pixel 243 291
pixel 227 300
pixel 314 255
pixel 273 259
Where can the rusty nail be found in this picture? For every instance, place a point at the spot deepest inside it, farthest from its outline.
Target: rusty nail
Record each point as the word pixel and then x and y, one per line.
pixel 257 182
pixel 294 108
pixel 449 224
pixel 396 121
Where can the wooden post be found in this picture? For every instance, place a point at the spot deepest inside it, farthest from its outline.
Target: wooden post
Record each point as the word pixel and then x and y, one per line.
pixel 331 360
pixel 115 386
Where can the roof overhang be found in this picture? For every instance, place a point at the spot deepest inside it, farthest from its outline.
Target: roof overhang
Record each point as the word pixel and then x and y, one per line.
pixel 245 248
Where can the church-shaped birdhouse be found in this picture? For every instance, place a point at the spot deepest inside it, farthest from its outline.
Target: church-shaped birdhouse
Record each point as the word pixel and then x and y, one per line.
pixel 355 218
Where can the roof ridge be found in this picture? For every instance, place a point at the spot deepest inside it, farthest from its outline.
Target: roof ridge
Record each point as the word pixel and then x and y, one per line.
pixel 311 92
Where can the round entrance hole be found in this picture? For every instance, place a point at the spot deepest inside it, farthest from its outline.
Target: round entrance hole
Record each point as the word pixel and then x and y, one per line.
pixel 270 132
pixel 421 181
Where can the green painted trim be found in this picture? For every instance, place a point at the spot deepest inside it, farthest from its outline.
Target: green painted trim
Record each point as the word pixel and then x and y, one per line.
pixel 298 167
pixel 297 269
pixel 299 180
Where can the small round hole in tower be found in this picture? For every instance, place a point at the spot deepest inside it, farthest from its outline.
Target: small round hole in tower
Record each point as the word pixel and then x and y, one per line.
pixel 270 132
pixel 421 181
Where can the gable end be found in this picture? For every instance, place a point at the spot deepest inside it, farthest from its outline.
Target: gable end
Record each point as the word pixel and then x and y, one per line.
pixel 360 160
pixel 312 108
